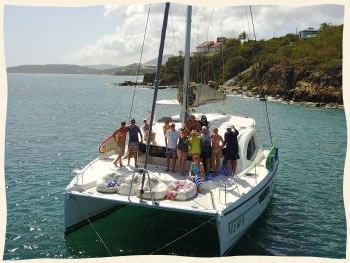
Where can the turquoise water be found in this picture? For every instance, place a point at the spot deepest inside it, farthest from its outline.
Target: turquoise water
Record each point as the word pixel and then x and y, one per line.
pixel 54 120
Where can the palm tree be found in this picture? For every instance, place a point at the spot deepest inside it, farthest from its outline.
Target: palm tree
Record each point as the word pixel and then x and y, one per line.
pixel 243 36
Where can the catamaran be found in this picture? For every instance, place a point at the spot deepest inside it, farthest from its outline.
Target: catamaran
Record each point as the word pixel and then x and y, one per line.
pixel 234 203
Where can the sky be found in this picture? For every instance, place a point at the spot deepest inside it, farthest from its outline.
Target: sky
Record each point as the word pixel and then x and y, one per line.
pixel 114 34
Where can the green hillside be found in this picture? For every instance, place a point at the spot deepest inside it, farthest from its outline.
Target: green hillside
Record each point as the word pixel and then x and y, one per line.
pixel 285 66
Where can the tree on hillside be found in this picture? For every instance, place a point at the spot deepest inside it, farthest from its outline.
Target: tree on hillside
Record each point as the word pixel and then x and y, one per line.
pixel 243 36
pixel 234 66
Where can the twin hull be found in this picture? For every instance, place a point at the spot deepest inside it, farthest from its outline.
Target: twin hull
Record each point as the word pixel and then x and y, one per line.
pixel 232 223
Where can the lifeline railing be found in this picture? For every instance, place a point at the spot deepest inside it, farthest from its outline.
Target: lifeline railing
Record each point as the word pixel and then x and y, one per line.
pixel 144 172
pixel 75 170
pixel 233 187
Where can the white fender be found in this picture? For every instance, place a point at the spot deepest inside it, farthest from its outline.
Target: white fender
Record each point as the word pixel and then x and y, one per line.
pixel 124 188
pixel 159 189
pixel 182 190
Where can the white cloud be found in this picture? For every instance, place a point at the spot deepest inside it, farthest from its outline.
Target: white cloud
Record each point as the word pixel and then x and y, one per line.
pixel 124 46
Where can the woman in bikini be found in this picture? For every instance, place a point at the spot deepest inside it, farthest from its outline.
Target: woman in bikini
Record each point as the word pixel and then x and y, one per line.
pixel 217 145
pixel 182 151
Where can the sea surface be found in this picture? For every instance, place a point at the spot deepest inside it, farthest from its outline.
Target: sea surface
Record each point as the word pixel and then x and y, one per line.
pixel 56 120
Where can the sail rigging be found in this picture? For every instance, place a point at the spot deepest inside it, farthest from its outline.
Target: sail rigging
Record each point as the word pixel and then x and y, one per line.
pixel 257 62
pixel 157 80
pixel 186 66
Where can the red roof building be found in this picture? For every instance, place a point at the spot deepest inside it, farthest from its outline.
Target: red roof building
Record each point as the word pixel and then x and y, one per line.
pixel 204 47
pixel 211 47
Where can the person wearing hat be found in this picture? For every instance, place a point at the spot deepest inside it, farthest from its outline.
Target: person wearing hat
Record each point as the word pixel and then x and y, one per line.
pixel 206 149
pixel 182 151
pixel 194 145
pixel 120 138
pixel 231 150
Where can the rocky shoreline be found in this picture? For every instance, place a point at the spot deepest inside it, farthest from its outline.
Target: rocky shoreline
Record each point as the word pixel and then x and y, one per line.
pixel 287 102
pixel 142 84
pixel 287 84
pixel 244 92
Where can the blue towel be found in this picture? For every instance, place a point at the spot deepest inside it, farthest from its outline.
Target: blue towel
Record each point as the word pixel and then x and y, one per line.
pixel 209 176
pixel 111 183
pixel 225 171
pixel 196 179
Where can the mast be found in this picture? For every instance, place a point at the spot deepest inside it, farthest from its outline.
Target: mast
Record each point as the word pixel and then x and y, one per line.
pixel 186 66
pixel 156 86
pixel 156 81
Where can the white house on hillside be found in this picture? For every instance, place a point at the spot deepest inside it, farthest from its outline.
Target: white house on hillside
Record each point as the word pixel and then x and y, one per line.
pixel 308 33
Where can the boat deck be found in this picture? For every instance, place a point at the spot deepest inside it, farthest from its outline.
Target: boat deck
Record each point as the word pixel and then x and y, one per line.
pixel 217 194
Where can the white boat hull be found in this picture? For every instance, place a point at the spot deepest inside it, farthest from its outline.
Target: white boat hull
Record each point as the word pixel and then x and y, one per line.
pixel 78 209
pixel 236 220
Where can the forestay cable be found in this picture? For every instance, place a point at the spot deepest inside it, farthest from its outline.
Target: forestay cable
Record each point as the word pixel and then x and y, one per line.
pixel 93 228
pixel 138 69
pixel 182 236
pixel 257 77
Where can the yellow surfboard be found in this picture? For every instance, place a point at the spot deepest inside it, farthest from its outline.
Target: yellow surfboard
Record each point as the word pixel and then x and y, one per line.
pixel 107 145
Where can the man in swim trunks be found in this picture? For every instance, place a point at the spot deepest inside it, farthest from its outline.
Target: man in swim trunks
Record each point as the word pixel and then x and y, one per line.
pixel 172 137
pixel 133 146
pixel 120 137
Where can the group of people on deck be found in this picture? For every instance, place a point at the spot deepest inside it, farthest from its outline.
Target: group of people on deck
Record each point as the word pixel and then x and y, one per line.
pixel 206 149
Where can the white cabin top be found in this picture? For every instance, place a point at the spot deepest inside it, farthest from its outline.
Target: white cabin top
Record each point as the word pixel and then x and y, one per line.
pixel 168 102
